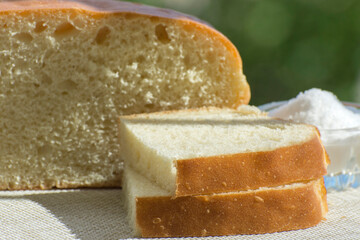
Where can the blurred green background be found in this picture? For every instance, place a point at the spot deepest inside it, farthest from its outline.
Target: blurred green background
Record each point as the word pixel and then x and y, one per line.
pixel 287 46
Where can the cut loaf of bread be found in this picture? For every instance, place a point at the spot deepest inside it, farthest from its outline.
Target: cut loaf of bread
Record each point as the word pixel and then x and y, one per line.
pixel 68 69
pixel 210 150
pixel 153 212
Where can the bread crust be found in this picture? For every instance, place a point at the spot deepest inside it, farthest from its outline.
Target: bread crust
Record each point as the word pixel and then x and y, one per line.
pixel 251 212
pixel 106 8
pixel 252 170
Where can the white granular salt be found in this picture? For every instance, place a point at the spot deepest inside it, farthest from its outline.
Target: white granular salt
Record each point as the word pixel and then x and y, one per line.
pixel 339 127
pixel 320 108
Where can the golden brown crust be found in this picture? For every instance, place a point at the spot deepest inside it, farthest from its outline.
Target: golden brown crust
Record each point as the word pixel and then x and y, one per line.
pixel 99 9
pixel 252 170
pixel 322 193
pixel 266 211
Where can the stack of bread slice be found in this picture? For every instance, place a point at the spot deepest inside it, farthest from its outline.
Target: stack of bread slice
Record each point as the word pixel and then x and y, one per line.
pixel 211 171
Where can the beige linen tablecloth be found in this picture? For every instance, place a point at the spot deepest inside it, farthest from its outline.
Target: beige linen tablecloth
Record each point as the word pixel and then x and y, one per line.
pixel 98 214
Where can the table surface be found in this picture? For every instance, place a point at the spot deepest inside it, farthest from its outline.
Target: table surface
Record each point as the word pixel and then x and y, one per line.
pixel 98 214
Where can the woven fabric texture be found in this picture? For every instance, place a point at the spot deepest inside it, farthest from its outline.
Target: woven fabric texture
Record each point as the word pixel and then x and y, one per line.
pixel 98 214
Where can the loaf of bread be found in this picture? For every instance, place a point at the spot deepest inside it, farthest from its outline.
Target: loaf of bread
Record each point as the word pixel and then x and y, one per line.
pixel 212 150
pixel 68 69
pixel 153 212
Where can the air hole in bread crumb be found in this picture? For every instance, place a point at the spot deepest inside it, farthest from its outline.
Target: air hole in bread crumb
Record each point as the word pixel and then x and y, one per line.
pixel 44 150
pixel 146 36
pixel 40 27
pixel 40 93
pixel 159 59
pixel 102 35
pixel 144 75
pixel 140 59
pixel 187 62
pixel 24 37
pixel 108 125
pixel 149 106
pixel 67 86
pixel 65 30
pixel 211 57
pixel 161 34
pixel 220 69
pixel 45 79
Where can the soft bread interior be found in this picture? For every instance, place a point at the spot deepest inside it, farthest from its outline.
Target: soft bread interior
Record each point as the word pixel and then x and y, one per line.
pixel 67 74
pixel 152 143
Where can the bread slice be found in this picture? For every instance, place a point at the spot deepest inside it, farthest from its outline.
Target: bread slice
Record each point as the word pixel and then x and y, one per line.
pixel 153 212
pixel 210 150
pixel 68 69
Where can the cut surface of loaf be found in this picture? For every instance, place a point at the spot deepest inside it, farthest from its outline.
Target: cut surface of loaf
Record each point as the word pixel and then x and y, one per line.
pixel 68 69
pixel 154 212
pixel 209 150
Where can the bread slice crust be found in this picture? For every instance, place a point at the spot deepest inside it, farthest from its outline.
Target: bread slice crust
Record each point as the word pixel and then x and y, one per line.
pixel 250 212
pixel 251 170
